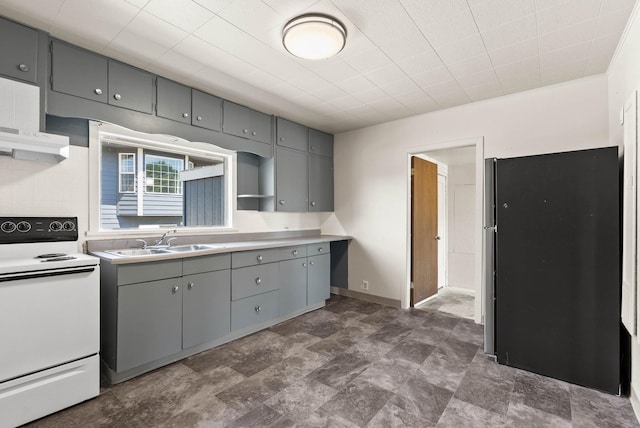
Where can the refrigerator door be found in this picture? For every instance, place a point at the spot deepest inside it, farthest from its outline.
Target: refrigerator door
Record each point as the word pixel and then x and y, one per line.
pixel 489 237
pixel 558 266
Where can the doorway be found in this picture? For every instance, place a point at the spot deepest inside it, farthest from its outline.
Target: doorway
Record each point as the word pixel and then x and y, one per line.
pixel 459 225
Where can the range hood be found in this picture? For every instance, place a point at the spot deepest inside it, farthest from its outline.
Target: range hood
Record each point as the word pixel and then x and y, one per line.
pixel 33 145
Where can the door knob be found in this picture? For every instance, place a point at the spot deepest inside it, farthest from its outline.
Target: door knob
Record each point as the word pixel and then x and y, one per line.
pixel 437 238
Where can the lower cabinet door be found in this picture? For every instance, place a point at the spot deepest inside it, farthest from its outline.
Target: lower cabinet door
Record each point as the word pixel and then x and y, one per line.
pixel 293 285
pixel 206 307
pixel 149 322
pixel 254 310
pixel 318 278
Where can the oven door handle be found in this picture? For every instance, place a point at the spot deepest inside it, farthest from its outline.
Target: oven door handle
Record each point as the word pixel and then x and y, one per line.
pixel 33 275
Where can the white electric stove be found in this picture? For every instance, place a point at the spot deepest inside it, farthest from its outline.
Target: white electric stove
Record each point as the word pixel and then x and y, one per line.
pixel 49 319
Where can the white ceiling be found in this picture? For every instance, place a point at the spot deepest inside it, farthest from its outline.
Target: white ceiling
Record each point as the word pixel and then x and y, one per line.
pixel 403 57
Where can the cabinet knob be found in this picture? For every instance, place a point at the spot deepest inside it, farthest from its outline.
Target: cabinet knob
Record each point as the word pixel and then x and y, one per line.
pixel 185 115
pixel 258 281
pixel 294 252
pixel 304 265
pixel 190 285
pixel 311 263
pixel 98 91
pixel 258 308
pixel 199 118
pixel 175 289
pixel 23 67
pixel 117 96
pixel 244 131
pixel 320 249
pixel 281 138
pixel 313 203
pixel 259 258
pixel 313 147
pixel 281 201
pixel 254 133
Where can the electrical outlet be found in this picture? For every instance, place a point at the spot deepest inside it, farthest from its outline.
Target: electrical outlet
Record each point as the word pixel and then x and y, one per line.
pixel 365 284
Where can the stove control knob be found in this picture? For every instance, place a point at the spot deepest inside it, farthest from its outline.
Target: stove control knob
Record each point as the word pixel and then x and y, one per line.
pixel 55 226
pixel 8 226
pixel 68 225
pixel 23 226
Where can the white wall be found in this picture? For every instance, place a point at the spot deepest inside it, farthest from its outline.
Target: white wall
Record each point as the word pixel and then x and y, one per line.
pixel 624 77
pixel 461 194
pixel 371 165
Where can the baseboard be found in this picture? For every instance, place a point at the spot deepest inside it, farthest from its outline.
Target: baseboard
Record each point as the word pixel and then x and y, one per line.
pixel 635 402
pixel 366 297
pixel 459 290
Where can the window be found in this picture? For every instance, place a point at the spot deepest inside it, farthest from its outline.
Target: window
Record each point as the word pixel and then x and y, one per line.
pixel 127 163
pixel 153 181
pixel 163 174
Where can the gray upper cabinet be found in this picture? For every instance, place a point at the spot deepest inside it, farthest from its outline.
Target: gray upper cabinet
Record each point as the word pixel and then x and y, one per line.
pixel 244 122
pixel 320 184
pixel 19 51
pixel 291 180
pixel 206 110
pixel 173 100
pixel 292 135
pixel 78 72
pixel 130 87
pixel 320 143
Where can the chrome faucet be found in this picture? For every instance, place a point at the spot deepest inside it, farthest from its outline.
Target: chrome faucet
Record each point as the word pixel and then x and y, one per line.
pixel 168 244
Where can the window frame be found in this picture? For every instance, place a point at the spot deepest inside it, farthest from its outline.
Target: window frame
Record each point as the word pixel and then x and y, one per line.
pixel 146 177
pixel 121 173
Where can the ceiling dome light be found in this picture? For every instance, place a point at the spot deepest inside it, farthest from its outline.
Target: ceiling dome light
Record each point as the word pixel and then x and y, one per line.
pixel 314 36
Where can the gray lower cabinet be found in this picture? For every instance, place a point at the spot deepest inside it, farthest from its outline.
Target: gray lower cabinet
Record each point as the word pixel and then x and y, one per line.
pixel 149 322
pixel 130 88
pixel 173 100
pixel 254 310
pixel 78 72
pixel 320 184
pixel 293 285
pixel 291 180
pixel 251 280
pixel 19 51
pixel 205 307
pixel 318 279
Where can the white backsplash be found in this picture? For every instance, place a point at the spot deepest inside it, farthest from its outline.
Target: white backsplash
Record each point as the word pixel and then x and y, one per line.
pixel 19 105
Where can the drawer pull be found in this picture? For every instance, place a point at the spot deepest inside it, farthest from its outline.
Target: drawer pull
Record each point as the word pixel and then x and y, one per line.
pixel 190 285
pixel 294 252
pixel 258 308
pixel 259 258
pixel 258 281
pixel 175 289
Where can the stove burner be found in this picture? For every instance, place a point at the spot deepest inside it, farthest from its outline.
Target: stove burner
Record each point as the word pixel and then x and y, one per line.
pixel 50 255
pixel 59 259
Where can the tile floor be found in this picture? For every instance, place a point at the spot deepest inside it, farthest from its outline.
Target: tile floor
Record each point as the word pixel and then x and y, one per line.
pixel 350 364
pixel 452 301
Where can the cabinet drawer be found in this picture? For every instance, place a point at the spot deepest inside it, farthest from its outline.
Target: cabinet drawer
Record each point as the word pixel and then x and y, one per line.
pixel 252 280
pixel 291 134
pixel 206 264
pixel 254 257
pixel 320 143
pixel 254 310
pixel 296 252
pixel 319 248
pixel 142 272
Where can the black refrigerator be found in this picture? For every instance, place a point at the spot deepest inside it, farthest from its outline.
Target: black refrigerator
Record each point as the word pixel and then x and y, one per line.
pixel 557 266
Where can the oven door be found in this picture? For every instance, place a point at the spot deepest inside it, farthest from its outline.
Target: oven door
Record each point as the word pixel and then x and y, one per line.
pixel 48 318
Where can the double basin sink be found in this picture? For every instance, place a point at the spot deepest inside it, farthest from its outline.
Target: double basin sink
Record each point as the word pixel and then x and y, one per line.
pixel 132 252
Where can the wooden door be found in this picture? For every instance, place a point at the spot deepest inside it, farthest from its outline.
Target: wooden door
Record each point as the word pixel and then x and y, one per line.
pixel 424 229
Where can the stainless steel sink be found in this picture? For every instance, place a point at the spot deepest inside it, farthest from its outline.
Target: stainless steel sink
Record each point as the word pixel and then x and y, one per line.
pixel 132 252
pixel 187 248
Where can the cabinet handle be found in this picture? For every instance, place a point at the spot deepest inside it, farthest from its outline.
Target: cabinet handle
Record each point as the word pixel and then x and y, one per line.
pixel 258 281
pixel 117 97
pixel 199 118
pixel 244 131
pixel 304 265
pixel 175 289
pixel 23 67
pixel 258 308
pixel 185 115
pixel 311 263
pixel 281 138
pixel 190 285
pixel 295 252
pixel 254 133
pixel 320 249
pixel 98 91
pixel 313 203
pixel 281 201
pixel 259 258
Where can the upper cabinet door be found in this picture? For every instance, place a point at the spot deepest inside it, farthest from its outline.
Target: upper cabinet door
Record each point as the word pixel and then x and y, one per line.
pixel 320 143
pixel 291 180
pixel 130 87
pixel 18 50
pixel 206 110
pixel 244 122
pixel 291 134
pixel 173 101
pixel 261 127
pixel 78 72
pixel 320 184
